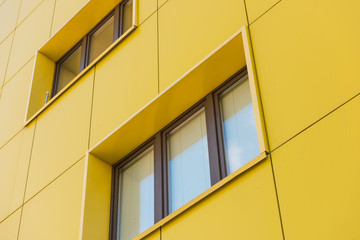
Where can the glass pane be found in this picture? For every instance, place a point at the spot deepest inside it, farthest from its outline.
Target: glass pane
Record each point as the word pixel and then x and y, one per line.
pixel 127 15
pixel 238 122
pixel 69 68
pixel 101 39
pixel 188 161
pixel 136 210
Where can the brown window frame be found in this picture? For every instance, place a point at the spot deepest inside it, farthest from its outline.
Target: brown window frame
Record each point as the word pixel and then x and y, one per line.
pixel 217 162
pixel 117 12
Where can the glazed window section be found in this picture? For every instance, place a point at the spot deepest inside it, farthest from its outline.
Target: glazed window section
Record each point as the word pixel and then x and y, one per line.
pixel 188 161
pixel 238 126
pixel 115 24
pixel 101 38
pixel 211 140
pixel 68 68
pixel 136 205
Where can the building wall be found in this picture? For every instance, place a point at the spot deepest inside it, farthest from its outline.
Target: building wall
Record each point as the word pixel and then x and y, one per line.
pixel 306 57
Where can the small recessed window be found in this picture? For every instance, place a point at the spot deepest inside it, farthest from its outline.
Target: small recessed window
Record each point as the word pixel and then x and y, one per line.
pixel 238 125
pixel 93 44
pixel 136 196
pixel 188 161
pixel 101 38
pixel 68 68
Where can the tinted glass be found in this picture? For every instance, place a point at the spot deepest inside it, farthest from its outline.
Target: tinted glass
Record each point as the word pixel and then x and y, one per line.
pixel 136 210
pixel 69 68
pixel 188 161
pixel 127 15
pixel 101 39
pixel 239 129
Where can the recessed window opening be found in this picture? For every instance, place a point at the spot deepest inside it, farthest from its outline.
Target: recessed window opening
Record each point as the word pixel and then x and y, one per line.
pixel 93 44
pixel 211 140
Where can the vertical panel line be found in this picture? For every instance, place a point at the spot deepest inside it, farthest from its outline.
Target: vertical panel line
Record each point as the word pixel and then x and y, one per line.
pixel 52 19
pixel 158 50
pixel 265 128
pixel 91 106
pixel 11 45
pixel 27 177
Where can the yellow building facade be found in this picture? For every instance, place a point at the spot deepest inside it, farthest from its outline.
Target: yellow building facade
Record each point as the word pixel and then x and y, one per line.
pixel 57 154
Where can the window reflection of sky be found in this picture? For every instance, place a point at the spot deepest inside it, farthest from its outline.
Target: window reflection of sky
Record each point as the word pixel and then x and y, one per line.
pixel 137 196
pixel 240 137
pixel 189 174
pixel 146 216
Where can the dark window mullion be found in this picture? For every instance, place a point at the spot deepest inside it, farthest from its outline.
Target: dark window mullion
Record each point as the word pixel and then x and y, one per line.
pixel 165 178
pixel 158 179
pixel 220 138
pixel 115 202
pixel 56 79
pixel 117 23
pixel 121 17
pixel 84 53
pixel 215 173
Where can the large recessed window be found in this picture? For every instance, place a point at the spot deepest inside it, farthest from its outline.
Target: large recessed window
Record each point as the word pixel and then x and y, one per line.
pixel 211 140
pixel 93 44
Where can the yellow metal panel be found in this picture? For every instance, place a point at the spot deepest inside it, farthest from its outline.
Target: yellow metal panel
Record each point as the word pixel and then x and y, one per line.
pixel 255 8
pixel 13 103
pixel 62 134
pixel 145 9
pixel 161 2
pixel 4 56
pixel 54 213
pixel 245 208
pixel 153 236
pixel 317 176
pixel 14 162
pixel 97 200
pixel 201 79
pixel 307 66
pixel 9 228
pixel 64 11
pixel 8 15
pixel 29 36
pixel 42 81
pixel 189 30
pixel 27 6
pixel 125 80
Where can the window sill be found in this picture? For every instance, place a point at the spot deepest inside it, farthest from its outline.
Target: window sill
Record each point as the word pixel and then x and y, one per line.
pixel 82 73
pixel 203 195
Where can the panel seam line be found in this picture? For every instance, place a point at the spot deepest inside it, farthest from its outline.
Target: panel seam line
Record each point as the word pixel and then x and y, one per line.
pixel 312 124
